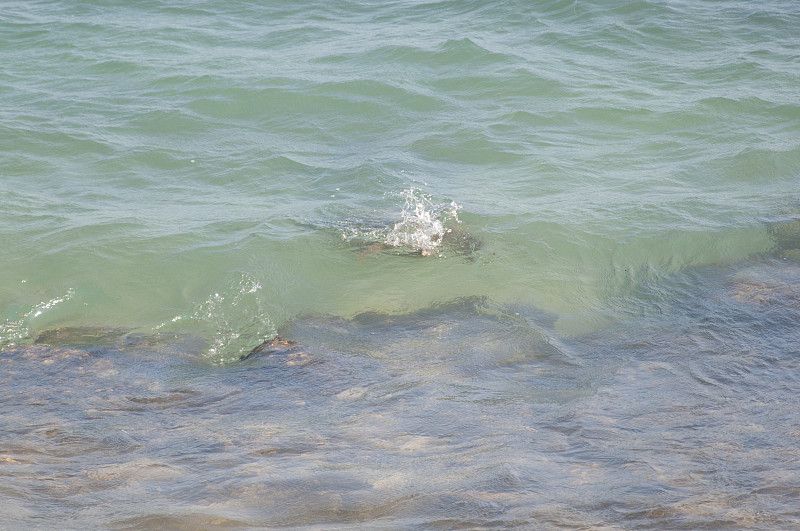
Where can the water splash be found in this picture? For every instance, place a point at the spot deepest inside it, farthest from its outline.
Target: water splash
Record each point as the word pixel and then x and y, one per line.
pixel 16 331
pixel 422 228
pixel 234 318
pixel 424 223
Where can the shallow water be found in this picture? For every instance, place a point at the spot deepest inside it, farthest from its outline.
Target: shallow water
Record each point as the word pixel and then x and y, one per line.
pixel 463 415
pixel 539 262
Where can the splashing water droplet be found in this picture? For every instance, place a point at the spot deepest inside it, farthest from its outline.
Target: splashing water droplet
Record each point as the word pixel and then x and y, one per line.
pixel 234 319
pixel 423 223
pixel 13 332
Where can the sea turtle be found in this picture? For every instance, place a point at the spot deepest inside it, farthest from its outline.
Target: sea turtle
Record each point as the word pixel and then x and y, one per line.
pixel 423 227
pixel 452 240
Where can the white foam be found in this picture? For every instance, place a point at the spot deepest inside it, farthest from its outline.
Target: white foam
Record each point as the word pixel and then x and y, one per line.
pixel 423 223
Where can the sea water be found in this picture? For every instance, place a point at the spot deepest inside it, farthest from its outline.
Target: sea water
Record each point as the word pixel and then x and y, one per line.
pixel 536 264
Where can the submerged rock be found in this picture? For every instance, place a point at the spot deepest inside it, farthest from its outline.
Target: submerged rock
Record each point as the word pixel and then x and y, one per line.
pixel 276 345
pixel 786 236
pixel 776 283
pixel 763 293
pixel 517 425
pixel 84 336
pixel 100 338
pixel 278 349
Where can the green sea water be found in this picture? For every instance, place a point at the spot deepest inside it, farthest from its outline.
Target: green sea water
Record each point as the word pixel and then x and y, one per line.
pixel 229 171
pixel 156 156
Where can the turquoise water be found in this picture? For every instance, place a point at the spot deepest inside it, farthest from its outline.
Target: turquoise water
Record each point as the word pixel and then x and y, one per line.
pixel 618 179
